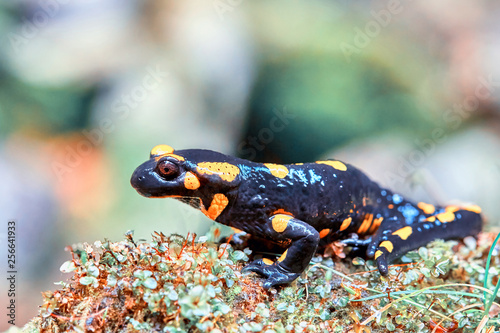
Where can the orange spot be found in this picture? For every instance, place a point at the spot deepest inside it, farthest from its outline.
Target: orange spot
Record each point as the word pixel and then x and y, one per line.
pixel 161 150
pixel 376 224
pixel 452 209
pixel 403 233
pixel 235 230
pixel 365 201
pixel 280 222
pixel 366 224
pixel 191 182
pixel 445 217
pixel 219 202
pixel 177 157
pixel 335 164
pixel 431 219
pixel 224 170
pixel 427 208
pixel 346 223
pixel 281 211
pixel 267 261
pixel 391 206
pixel 378 254
pixel 323 233
pixel 299 164
pixel 283 256
pixel 473 208
pixel 277 170
pixel 387 245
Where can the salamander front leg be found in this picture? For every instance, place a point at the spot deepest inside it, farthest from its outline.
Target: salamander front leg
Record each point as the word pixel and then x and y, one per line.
pixel 304 242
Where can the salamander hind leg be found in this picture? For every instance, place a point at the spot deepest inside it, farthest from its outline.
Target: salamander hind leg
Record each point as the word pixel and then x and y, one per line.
pixel 397 238
pixel 304 242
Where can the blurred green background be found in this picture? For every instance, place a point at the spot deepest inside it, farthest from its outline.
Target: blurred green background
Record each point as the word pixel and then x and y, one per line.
pixel 408 92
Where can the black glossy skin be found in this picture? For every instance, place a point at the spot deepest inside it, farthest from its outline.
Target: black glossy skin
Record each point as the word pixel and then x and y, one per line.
pixel 311 197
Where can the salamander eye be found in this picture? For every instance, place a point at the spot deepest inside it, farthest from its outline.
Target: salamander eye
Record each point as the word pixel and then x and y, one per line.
pixel 167 169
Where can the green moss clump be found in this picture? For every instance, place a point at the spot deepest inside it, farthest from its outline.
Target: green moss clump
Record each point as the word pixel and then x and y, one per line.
pixel 180 284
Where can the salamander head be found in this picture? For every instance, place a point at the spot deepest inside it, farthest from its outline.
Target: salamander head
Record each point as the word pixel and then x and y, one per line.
pixel 185 173
pixel 165 174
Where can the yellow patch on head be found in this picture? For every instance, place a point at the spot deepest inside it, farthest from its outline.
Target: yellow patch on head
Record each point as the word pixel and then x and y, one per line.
pixel 277 170
pixel 403 233
pixel 161 150
pixel 346 223
pixel 387 245
pixel 445 217
pixel 267 261
pixel 323 233
pixel 283 256
pixel 219 202
pixel 427 208
pixel 191 182
pixel 335 164
pixel 177 157
pixel 226 171
pixel 378 254
pixel 280 222
pixel 473 208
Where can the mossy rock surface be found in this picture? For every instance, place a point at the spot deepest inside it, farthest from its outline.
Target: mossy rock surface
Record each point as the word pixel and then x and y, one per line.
pixel 183 284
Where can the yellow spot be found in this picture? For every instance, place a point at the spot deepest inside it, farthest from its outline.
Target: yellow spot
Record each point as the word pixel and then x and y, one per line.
pixel 267 261
pixel 281 211
pixel 366 224
pixel 161 150
pixel 335 164
pixel 277 170
pixel 236 230
pixel 376 224
pixel 378 254
pixel 431 219
pixel 219 202
pixel 403 233
pixel 446 217
pixel 283 256
pixel 346 223
pixel 388 245
pixel 191 182
pixel 177 157
pixel 280 222
pixel 452 209
pixel 299 164
pixel 323 233
pixel 427 208
pixel 224 170
pixel 473 208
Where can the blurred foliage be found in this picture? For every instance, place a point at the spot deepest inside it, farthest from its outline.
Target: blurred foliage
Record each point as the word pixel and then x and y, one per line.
pixel 39 109
pixel 329 104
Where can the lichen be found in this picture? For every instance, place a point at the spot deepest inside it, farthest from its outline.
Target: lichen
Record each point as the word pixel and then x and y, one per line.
pixel 183 284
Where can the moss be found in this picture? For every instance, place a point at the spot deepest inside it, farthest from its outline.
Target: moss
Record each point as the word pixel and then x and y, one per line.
pixel 180 284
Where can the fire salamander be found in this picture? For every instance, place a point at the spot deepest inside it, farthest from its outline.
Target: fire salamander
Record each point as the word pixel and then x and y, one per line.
pixel 300 206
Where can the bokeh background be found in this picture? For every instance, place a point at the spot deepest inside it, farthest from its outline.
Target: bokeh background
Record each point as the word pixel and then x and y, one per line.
pixel 408 91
